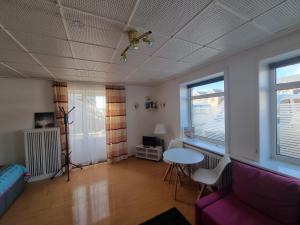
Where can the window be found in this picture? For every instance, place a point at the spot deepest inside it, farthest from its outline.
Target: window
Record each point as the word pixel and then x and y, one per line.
pixel 285 88
pixel 207 111
pixel 87 133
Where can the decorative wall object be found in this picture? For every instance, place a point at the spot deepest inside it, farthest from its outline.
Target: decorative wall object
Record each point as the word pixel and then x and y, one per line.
pixel 152 104
pixel 189 132
pixel 136 105
pixel 44 120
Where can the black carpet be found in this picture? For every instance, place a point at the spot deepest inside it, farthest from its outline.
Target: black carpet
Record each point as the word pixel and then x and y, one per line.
pixel 170 217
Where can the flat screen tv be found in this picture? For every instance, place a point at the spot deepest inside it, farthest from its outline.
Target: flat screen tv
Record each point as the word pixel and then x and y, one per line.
pixel 149 141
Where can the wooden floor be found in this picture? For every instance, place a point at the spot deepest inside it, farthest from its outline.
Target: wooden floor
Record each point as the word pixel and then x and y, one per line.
pixel 127 193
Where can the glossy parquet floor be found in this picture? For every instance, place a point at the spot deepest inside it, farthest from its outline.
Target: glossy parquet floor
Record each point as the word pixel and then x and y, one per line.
pixel 126 193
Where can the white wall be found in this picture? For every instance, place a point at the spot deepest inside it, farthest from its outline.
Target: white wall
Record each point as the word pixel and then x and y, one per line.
pixel 19 100
pixel 242 72
pixel 140 122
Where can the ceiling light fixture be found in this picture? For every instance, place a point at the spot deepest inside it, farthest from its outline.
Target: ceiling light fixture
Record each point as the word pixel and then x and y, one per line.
pixel 134 39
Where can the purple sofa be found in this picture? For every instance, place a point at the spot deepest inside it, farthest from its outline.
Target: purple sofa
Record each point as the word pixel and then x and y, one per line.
pixel 257 197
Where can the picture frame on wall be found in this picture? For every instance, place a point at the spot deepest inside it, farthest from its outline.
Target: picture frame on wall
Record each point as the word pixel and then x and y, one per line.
pixel 189 132
pixel 44 120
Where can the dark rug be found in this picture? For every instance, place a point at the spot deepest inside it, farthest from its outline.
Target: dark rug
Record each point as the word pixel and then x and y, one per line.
pixel 170 217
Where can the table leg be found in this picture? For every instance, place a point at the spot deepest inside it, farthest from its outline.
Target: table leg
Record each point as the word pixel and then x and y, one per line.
pixel 171 172
pixel 176 181
pixel 203 186
pixel 181 169
pixel 167 172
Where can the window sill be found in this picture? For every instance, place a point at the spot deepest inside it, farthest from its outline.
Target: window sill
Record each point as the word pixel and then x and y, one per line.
pixel 204 145
pixel 286 169
pixel 281 167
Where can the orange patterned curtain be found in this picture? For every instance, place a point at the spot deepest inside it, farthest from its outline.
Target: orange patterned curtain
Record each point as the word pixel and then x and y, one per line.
pixel 116 137
pixel 60 98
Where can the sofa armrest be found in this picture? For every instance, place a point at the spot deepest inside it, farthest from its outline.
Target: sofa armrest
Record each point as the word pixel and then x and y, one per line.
pixel 206 201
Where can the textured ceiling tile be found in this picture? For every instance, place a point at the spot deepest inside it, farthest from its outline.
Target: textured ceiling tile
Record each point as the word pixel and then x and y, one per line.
pixel 251 8
pixel 165 66
pixel 93 76
pixel 158 41
pixel 202 55
pixel 92 65
pixel 114 9
pixel 60 72
pixel 43 44
pixel 145 77
pixel 90 29
pixel 16 56
pixel 176 49
pixel 240 38
pixel 41 17
pixel 122 69
pixel 63 71
pixel 137 79
pixel 6 72
pixel 92 52
pixel 166 16
pixel 134 59
pixel 29 69
pixel 157 64
pixel 7 43
pixel 151 74
pixel 281 17
pixel 212 23
pixel 55 61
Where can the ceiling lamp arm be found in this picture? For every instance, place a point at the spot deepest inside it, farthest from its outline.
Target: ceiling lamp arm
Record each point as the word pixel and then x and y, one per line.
pixel 134 40
pixel 125 50
pixel 144 35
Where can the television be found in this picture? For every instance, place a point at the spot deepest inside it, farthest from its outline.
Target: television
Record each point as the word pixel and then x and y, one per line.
pixel 149 141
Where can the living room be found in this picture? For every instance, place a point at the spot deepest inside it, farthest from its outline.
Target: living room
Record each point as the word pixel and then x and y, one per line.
pixel 149 112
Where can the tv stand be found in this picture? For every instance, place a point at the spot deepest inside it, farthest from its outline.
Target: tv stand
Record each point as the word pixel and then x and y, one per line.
pixel 149 152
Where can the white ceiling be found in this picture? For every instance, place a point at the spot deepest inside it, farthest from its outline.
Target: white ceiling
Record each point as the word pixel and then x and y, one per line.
pixel 81 40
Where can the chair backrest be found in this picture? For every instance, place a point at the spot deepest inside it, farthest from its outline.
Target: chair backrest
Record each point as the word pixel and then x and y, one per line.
pixel 175 143
pixel 218 170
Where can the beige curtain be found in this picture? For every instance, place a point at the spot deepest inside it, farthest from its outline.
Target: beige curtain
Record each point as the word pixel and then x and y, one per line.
pixel 116 137
pixel 60 98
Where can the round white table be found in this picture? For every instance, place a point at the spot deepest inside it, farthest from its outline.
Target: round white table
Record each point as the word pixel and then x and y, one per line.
pixel 178 157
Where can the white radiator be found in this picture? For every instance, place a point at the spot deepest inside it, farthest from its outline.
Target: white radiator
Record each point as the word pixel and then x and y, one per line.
pixel 42 152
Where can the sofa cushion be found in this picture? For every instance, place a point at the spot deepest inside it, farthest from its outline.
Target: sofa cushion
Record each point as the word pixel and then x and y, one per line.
pixel 231 211
pixel 205 201
pixel 274 195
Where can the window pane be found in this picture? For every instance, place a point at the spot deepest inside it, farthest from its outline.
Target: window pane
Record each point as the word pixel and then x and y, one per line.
pixel 208 119
pixel 288 122
pixel 216 87
pixel 288 74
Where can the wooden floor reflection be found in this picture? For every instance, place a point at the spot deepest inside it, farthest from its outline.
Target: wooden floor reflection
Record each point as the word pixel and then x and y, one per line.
pixel 127 193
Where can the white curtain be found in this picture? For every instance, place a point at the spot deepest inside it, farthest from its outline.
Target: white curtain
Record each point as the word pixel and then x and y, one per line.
pixel 87 133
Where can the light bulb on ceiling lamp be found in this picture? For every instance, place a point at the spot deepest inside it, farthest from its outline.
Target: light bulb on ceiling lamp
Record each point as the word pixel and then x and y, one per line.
pixel 134 46
pixel 149 41
pixel 134 41
pixel 123 58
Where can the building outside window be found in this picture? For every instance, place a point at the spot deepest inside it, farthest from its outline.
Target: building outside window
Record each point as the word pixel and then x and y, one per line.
pixel 285 98
pixel 207 110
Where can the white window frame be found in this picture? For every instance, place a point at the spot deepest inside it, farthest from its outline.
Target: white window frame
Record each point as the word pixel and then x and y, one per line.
pixel 190 98
pixel 275 154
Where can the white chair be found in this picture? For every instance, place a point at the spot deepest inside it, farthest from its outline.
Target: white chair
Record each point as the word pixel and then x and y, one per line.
pixel 210 177
pixel 174 143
